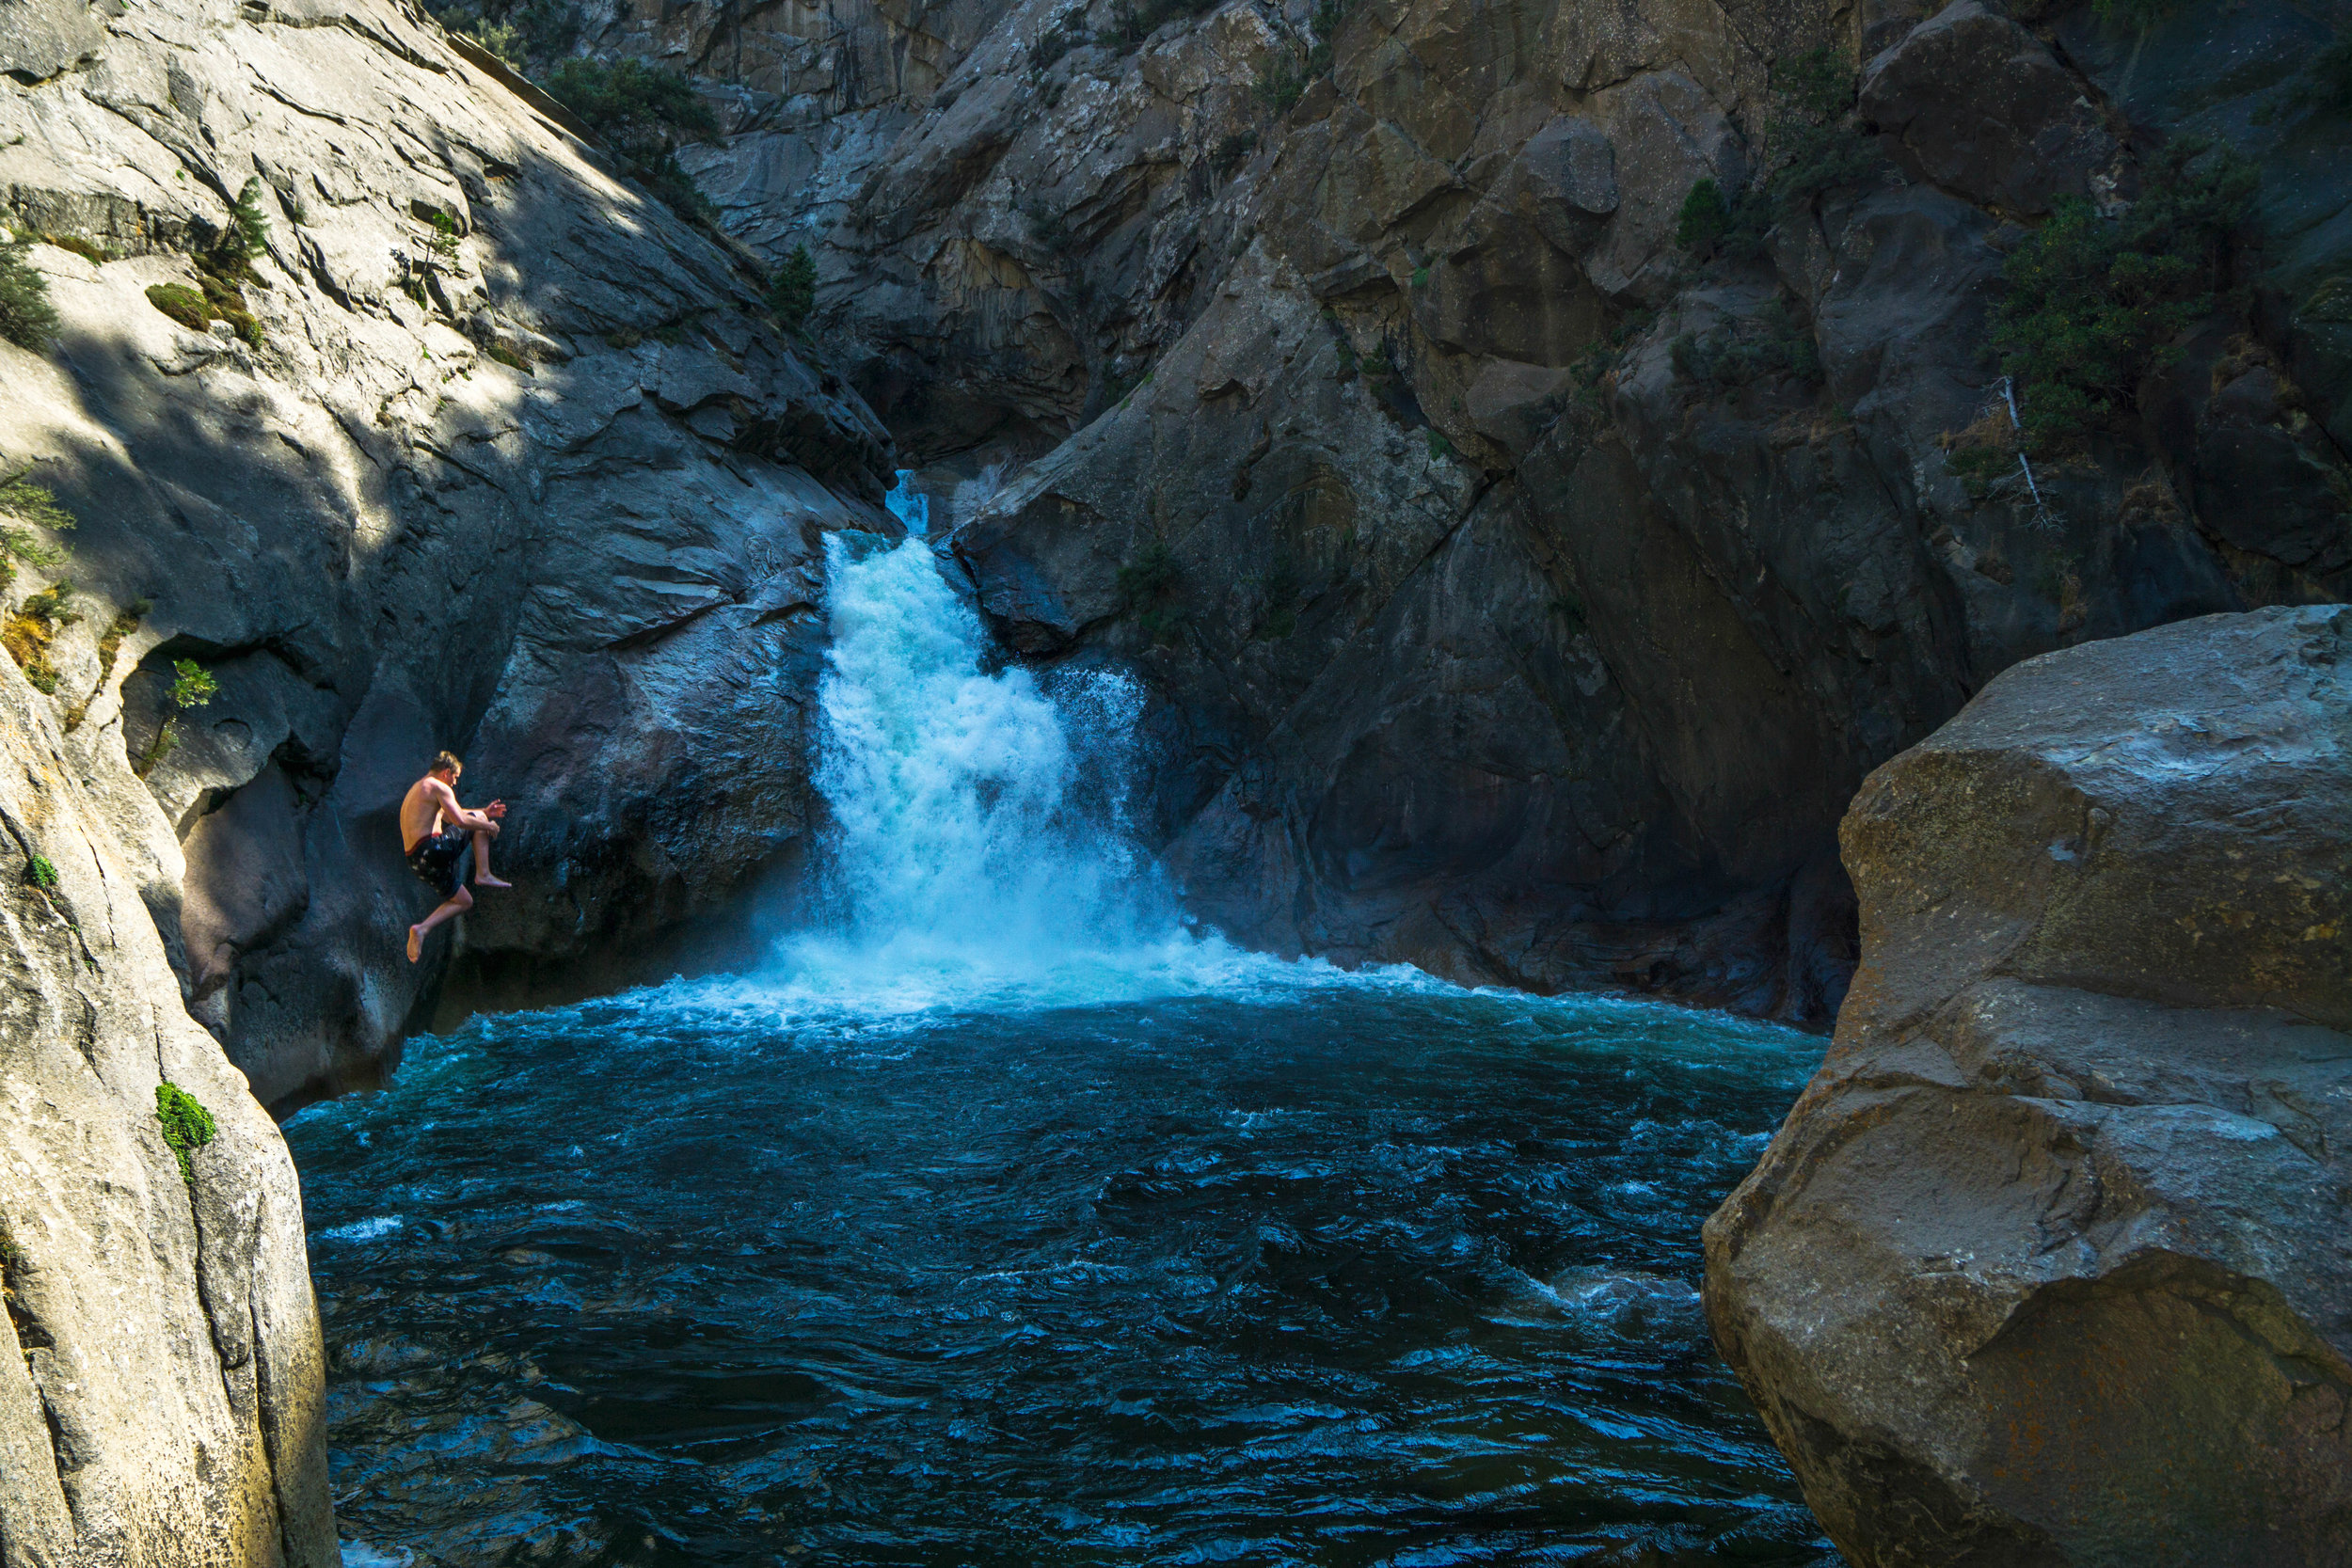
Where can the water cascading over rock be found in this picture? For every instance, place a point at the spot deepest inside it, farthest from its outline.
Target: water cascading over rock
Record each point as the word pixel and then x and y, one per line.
pixel 977 844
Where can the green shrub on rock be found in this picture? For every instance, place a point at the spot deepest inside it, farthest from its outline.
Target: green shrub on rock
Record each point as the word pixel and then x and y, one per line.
pixel 193 686
pixel 645 114
pixel 2093 303
pixel 1281 84
pixel 27 317
pixel 1772 342
pixel 1813 144
pixel 792 293
pixel 503 40
pixel 37 505
pixel 1705 218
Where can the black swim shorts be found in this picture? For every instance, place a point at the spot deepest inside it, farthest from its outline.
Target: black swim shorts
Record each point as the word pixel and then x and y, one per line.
pixel 443 860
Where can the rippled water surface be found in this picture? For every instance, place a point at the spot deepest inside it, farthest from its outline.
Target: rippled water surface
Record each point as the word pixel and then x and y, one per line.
pixel 1332 1272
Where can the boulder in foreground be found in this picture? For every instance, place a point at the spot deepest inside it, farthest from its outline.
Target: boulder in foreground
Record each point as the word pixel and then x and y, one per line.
pixel 2052 1262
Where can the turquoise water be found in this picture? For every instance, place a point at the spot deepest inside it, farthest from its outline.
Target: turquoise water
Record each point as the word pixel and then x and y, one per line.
pixel 1295 1270
pixel 1003 1217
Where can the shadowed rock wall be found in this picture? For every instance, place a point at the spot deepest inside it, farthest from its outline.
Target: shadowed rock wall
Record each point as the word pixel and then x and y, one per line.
pixel 1520 596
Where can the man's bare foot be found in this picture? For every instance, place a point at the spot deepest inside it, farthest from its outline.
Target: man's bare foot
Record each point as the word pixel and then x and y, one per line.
pixel 490 881
pixel 416 942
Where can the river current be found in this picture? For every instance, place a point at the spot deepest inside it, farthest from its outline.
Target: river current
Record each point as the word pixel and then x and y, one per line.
pixel 1004 1218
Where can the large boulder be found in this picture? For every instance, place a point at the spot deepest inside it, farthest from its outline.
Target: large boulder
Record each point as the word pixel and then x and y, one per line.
pixel 2051 1262
pixel 1975 103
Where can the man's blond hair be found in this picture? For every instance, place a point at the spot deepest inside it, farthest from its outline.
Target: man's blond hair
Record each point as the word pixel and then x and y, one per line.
pixel 449 761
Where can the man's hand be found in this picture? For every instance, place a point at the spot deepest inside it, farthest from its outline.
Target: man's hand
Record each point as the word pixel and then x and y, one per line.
pixel 495 809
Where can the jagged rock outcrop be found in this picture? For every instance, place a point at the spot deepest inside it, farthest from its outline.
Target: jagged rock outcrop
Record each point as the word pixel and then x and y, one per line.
pixel 162 1381
pixel 1521 593
pixel 2049 1263
pixel 1525 605
pixel 511 460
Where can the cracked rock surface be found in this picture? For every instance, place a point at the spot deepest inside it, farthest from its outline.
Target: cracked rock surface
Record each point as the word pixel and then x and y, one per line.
pixel 162 1382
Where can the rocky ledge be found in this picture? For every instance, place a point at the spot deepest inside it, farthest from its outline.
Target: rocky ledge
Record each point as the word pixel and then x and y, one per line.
pixel 2051 1263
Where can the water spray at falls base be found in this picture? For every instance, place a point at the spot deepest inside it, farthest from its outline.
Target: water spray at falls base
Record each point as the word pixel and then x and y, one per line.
pixel 979 852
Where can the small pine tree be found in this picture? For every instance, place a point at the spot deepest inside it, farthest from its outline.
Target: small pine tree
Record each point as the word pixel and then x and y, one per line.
pixel 442 242
pixel 194 687
pixel 246 214
pixel 793 294
pixel 27 317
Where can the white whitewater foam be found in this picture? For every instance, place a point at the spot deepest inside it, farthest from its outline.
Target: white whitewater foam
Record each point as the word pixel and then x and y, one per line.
pixel 359 1554
pixel 978 856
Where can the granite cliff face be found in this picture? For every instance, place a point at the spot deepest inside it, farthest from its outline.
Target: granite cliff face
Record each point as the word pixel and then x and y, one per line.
pixel 2049 1264
pixel 1524 591
pixel 162 1381
pixel 510 460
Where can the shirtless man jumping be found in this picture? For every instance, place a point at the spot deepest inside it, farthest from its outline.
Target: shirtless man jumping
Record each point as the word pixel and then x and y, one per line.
pixel 437 854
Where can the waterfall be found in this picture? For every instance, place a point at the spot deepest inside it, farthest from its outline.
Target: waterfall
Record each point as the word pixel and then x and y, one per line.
pixel 963 809
pixel 978 851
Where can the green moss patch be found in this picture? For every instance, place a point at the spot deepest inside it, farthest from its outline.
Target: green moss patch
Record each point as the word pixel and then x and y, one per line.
pixel 181 303
pixel 187 1125
pixel 197 309
pixel 27 634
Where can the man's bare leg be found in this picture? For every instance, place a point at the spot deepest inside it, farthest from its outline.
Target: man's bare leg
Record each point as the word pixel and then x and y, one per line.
pixel 457 904
pixel 482 877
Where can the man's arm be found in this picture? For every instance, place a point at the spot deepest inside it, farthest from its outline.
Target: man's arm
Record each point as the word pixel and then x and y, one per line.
pixel 446 798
